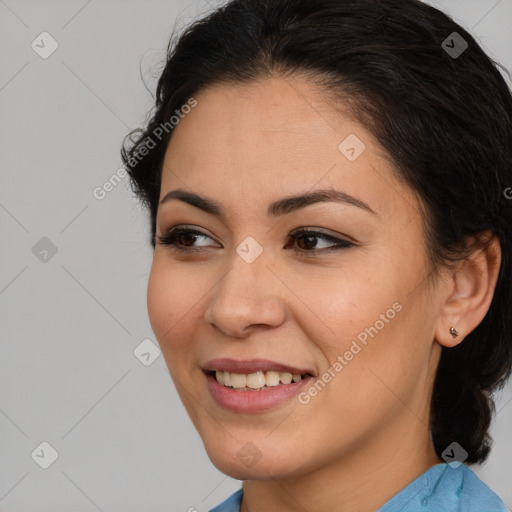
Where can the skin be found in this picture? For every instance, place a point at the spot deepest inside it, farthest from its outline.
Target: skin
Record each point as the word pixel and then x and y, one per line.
pixel 365 436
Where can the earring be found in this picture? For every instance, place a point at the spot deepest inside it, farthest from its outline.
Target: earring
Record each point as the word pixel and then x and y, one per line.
pixel 454 332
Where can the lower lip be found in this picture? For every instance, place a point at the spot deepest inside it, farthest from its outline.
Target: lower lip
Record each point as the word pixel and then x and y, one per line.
pixel 253 401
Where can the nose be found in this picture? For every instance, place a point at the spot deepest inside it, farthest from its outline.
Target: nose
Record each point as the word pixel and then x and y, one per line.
pixel 248 297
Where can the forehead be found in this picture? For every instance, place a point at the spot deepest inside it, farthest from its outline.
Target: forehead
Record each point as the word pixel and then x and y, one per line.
pixel 263 118
pixel 275 137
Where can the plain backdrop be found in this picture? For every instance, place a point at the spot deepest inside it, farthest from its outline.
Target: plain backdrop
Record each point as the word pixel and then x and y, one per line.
pixel 74 268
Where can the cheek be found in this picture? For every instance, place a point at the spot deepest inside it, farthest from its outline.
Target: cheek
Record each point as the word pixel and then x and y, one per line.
pixel 385 360
pixel 368 319
pixel 158 297
pixel 171 297
pixel 349 307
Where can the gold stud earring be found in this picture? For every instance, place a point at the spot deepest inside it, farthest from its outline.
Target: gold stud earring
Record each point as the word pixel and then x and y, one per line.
pixel 454 332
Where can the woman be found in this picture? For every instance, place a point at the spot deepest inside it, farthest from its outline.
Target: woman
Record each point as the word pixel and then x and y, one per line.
pixel 331 284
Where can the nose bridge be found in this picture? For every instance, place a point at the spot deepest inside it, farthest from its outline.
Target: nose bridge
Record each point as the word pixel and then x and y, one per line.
pixel 247 294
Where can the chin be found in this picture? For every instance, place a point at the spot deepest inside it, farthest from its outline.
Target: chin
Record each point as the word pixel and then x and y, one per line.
pixel 249 463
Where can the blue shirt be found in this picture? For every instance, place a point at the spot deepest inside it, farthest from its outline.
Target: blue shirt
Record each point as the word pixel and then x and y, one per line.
pixel 441 488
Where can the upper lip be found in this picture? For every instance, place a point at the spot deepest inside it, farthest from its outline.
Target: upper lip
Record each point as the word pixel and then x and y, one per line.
pixel 252 366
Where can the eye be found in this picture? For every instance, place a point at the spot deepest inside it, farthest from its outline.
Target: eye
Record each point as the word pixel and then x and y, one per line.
pixel 309 239
pixel 181 236
pixel 182 239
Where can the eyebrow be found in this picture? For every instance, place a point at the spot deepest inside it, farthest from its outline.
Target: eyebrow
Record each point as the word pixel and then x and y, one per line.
pixel 277 208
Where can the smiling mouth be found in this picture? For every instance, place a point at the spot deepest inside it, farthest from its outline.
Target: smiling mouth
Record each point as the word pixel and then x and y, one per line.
pixel 256 381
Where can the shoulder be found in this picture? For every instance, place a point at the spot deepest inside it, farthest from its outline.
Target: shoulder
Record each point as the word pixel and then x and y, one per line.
pixel 451 488
pixel 442 487
pixel 474 492
pixel 232 504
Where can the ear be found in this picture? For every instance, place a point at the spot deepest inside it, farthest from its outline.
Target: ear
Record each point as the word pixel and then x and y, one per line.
pixel 470 289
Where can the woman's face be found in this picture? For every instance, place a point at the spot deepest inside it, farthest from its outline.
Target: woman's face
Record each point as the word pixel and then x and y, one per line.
pixel 347 307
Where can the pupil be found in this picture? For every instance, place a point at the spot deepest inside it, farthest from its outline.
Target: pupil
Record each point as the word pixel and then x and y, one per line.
pixel 190 236
pixel 310 244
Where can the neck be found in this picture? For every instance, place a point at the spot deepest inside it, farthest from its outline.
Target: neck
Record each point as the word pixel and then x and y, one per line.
pixel 363 480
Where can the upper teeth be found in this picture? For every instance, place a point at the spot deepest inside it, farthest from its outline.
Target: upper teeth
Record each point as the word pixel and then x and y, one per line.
pixel 255 380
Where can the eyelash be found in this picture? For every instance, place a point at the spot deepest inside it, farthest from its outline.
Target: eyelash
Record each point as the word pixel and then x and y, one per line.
pixel 170 240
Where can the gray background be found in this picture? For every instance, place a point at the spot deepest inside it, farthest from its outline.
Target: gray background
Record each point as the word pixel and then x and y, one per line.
pixel 70 323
